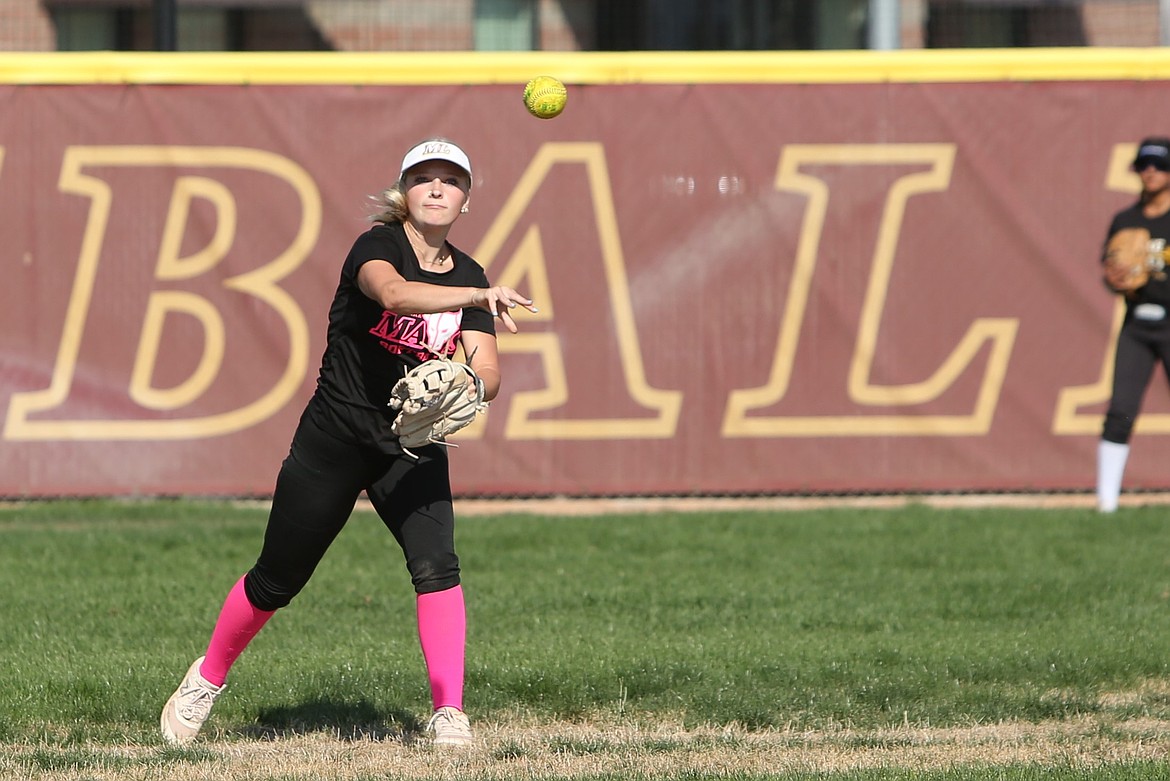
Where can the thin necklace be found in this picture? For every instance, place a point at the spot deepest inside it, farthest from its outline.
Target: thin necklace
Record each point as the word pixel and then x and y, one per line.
pixel 438 260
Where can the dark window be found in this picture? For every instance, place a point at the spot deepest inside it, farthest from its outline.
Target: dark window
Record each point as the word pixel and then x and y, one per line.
pixel 697 25
pixel 955 25
pixel 505 25
pixel 96 27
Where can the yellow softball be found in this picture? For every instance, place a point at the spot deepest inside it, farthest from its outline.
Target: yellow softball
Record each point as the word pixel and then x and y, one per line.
pixel 545 97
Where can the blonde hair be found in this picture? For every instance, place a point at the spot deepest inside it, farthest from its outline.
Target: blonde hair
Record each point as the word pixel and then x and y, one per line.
pixel 390 205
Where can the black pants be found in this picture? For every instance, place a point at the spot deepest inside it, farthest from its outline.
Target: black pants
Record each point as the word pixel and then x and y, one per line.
pixel 1140 345
pixel 316 490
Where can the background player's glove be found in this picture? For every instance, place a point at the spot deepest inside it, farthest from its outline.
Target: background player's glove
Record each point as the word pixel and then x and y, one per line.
pixel 1130 257
pixel 435 399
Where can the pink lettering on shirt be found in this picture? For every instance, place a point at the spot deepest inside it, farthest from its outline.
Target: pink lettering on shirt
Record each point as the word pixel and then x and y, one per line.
pixel 420 336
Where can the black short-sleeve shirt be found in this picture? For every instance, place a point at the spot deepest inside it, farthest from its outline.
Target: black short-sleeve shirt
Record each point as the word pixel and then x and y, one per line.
pixel 1156 291
pixel 368 349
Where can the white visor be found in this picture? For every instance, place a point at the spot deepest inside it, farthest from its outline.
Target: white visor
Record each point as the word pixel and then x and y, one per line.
pixel 435 150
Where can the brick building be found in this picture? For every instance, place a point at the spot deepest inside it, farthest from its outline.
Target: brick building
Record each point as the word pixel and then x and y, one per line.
pixel 570 25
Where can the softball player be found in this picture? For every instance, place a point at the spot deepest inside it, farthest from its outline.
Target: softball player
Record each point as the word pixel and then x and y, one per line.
pixel 405 294
pixel 1145 333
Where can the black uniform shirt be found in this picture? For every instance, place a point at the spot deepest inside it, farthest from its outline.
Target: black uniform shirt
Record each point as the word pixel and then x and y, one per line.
pixel 368 349
pixel 1156 291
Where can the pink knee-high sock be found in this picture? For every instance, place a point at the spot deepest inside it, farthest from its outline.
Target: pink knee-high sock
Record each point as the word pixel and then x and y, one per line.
pixel 238 623
pixel 442 630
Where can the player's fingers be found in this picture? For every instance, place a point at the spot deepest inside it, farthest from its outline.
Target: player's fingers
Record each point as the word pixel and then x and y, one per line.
pixel 508 322
pixel 501 300
pixel 513 297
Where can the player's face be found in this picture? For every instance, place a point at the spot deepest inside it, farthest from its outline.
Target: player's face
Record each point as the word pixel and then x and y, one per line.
pixel 1155 178
pixel 435 192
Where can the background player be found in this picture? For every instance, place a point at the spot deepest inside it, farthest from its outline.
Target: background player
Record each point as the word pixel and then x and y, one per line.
pixel 1145 333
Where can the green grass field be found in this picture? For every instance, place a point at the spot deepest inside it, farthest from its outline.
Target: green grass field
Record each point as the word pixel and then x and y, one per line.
pixel 817 644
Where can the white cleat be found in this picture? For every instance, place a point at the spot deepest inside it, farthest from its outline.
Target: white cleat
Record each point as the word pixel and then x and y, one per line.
pixel 188 707
pixel 450 727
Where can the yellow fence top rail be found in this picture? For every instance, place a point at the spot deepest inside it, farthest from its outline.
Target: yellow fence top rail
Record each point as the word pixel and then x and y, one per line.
pixel 368 68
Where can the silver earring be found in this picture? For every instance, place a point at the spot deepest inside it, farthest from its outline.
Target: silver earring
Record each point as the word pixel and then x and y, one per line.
pixel 463 210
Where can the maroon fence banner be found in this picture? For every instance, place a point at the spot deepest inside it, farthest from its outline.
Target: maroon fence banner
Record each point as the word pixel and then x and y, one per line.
pixel 768 288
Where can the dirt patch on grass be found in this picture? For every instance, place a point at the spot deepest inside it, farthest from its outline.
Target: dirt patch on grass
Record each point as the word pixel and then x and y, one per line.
pixel 573 751
pixel 655 504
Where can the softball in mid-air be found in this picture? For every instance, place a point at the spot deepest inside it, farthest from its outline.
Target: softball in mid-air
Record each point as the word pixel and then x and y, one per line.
pixel 545 97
